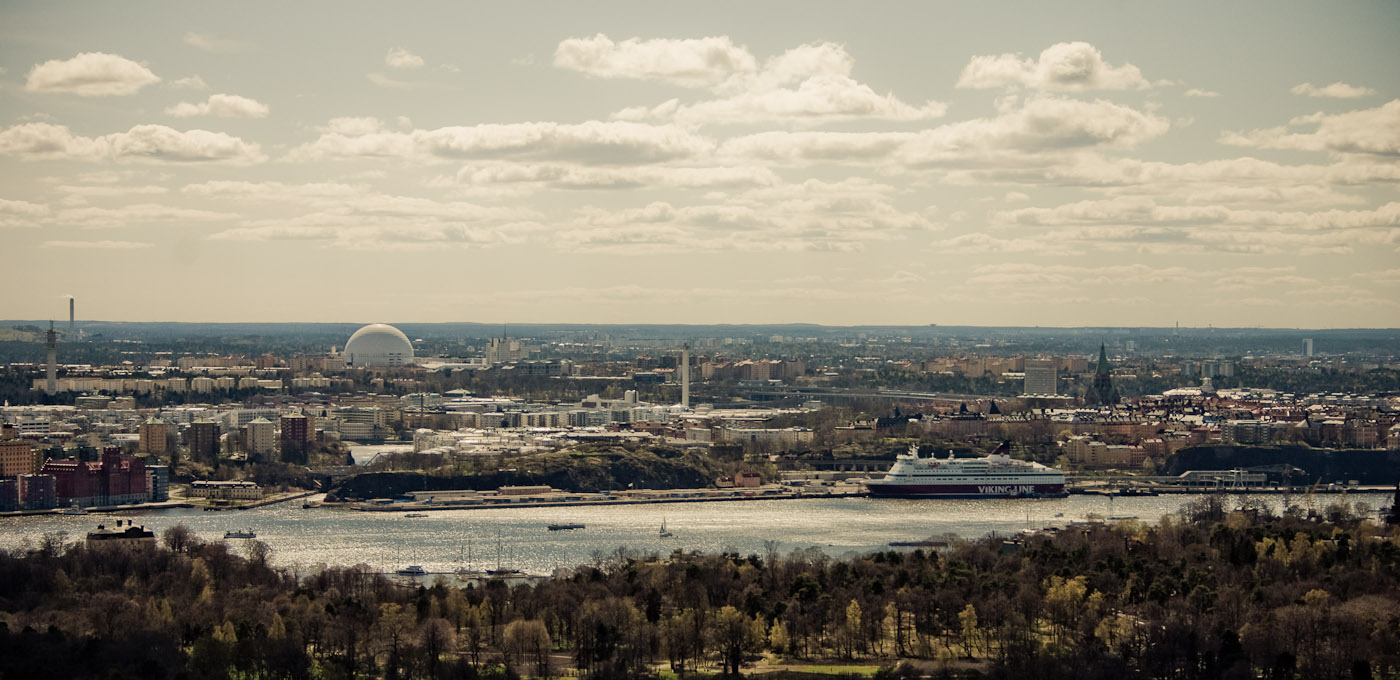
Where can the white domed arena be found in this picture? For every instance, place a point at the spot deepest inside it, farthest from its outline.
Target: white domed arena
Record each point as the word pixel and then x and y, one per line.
pixel 378 345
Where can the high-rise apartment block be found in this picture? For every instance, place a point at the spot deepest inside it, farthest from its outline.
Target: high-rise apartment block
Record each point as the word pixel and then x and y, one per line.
pixel 155 436
pixel 204 441
pixel 18 457
pixel 296 437
pixel 1041 376
pixel 262 439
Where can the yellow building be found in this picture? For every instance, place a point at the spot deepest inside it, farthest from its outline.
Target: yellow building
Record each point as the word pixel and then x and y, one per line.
pixel 18 457
pixel 155 436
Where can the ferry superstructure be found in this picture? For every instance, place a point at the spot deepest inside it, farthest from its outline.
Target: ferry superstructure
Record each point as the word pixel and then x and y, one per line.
pixel 992 476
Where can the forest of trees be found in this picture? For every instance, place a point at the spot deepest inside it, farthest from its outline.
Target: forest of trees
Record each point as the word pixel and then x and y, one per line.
pixel 1208 594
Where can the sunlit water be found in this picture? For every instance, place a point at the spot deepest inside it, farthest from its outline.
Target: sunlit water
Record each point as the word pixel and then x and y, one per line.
pixel 518 538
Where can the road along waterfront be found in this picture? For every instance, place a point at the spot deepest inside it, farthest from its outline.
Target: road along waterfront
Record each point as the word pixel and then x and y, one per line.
pixel 518 537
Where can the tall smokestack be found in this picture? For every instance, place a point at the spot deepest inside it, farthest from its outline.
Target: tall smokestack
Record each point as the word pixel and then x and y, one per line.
pixel 51 343
pixel 71 333
pixel 685 376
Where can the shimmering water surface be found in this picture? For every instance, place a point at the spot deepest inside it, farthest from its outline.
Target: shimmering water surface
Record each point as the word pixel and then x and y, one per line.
pixel 517 538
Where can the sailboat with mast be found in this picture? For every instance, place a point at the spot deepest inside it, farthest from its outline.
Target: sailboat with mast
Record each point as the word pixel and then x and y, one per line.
pixel 500 571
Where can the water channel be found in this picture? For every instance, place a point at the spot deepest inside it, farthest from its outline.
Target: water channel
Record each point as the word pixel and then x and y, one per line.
pixel 519 538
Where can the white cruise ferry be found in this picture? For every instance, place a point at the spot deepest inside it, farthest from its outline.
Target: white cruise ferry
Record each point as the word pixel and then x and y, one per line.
pixel 993 476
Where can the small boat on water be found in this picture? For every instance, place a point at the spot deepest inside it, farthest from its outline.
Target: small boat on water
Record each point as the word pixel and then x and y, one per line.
pixel 246 533
pixel 565 527
pixel 416 514
pixel 412 570
pixel 74 510
pixel 664 533
pixel 926 543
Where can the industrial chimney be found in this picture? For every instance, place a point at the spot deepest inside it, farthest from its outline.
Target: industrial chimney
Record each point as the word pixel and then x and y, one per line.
pixel 685 376
pixel 51 343
pixel 72 333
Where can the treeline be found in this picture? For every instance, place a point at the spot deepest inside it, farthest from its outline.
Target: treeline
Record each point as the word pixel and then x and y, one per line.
pixel 1208 595
pixel 1367 466
pixel 584 468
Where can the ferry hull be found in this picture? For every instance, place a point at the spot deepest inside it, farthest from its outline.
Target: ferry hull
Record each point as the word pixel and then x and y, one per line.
pixel 966 490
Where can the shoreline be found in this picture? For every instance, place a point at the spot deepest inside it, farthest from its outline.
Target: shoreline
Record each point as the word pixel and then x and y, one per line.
pixel 688 496
pixel 184 503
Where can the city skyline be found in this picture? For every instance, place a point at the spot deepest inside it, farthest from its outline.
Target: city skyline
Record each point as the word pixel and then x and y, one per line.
pixel 823 163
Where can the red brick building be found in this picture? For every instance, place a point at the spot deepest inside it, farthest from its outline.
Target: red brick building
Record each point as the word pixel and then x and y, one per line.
pixel 296 437
pixel 114 480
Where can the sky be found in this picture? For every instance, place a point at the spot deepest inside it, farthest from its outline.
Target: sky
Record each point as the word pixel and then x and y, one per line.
pixel 1009 163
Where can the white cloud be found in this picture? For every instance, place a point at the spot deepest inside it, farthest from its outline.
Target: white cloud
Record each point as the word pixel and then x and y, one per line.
pixel 1130 174
pixel 1042 124
pixel 843 216
pixel 817 99
pixel 394 83
pixel 806 85
pixel 352 126
pixel 161 143
pixel 221 105
pixel 1273 195
pixel 274 191
pixel 702 62
pixel 34 141
pixel 567 176
pixel 21 213
pixel 1381 276
pixel 592 142
pixel 1368 131
pixel 1142 210
pixel 209 43
pixel 90 74
pixel 979 243
pixel 377 237
pixel 110 190
pixel 399 57
pixel 793 299
pixel 135 214
pixel 1197 92
pixel 383 221
pixel 1140 223
pixel 1336 90
pixel 1255 277
pixel 189 83
pixel 98 245
pixel 1039 130
pixel 1039 281
pixel 1065 67
pixel 805 147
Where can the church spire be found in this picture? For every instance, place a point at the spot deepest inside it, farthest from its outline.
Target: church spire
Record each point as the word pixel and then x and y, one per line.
pixel 1102 392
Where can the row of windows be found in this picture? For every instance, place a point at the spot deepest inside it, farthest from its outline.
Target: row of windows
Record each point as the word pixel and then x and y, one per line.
pixel 978 478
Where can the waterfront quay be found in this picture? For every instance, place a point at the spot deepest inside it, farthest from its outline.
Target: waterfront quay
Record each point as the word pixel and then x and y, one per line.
pixel 545 497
